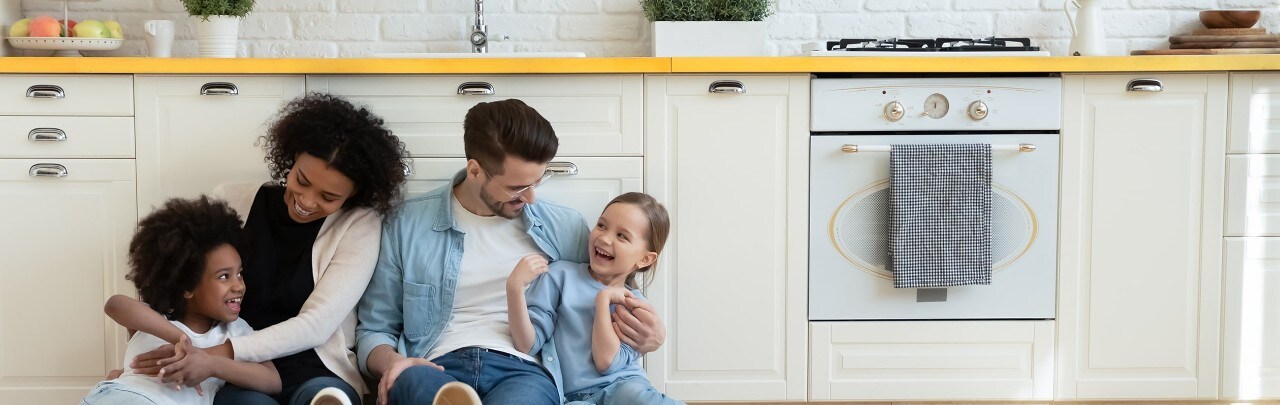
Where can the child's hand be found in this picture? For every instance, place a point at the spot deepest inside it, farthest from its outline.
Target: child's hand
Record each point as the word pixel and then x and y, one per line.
pixel 613 295
pixel 527 269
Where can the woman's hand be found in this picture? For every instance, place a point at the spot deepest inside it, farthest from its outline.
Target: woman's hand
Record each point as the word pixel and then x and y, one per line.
pixel 393 372
pixel 526 270
pixel 194 367
pixel 151 362
pixel 637 325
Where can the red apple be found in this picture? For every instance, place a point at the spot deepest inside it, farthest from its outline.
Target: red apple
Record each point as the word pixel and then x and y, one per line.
pixel 67 27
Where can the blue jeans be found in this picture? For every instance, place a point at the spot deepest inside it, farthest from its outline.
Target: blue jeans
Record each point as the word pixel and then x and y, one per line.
pixel 498 378
pixel 111 393
pixel 231 394
pixel 626 391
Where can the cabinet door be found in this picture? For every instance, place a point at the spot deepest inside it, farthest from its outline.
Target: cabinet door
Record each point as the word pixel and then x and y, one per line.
pixel 194 133
pixel 593 115
pixel 1250 355
pixel 730 284
pixel 1255 113
pixel 65 240
pixel 582 183
pixel 1141 236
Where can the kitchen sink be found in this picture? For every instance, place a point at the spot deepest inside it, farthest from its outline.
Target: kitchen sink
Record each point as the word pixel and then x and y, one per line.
pixel 461 55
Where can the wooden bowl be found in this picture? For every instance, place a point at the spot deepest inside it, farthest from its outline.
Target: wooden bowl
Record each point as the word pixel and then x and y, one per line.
pixel 1229 18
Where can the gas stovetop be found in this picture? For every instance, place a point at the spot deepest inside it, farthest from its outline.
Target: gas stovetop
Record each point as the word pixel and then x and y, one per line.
pixel 935 47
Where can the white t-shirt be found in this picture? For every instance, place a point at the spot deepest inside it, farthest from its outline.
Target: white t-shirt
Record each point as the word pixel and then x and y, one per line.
pixel 151 386
pixel 490 249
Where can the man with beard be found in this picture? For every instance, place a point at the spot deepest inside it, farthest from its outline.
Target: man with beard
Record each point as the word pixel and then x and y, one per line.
pixel 438 292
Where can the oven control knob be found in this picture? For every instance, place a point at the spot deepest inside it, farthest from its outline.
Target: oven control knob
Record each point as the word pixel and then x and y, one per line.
pixel 978 110
pixel 894 111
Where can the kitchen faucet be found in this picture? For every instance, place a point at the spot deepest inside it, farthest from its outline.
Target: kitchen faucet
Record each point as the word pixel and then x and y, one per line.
pixel 479 35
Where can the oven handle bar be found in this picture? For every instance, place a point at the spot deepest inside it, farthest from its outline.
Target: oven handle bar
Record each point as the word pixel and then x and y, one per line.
pixel 853 148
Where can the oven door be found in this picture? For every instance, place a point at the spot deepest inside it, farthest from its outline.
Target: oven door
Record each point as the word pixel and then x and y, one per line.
pixel 848 234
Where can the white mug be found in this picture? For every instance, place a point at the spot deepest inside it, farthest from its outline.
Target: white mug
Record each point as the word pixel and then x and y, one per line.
pixel 159 36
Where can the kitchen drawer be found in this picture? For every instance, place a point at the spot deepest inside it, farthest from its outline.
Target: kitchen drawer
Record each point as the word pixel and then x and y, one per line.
pixel 931 360
pixel 1253 195
pixel 97 95
pixel 593 115
pixel 1251 325
pixel 66 137
pixel 1255 113
pixel 66 170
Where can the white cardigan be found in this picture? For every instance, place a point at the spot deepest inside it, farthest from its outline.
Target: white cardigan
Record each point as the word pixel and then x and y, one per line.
pixel 342 261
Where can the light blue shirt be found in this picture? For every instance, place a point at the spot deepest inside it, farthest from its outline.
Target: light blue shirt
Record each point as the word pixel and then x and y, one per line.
pixel 410 298
pixel 562 304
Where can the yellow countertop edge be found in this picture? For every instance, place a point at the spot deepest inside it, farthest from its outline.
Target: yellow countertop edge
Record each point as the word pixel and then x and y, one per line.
pixel 787 64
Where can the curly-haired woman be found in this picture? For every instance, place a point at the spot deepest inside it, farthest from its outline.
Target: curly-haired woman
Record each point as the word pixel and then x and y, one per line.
pixel 314 236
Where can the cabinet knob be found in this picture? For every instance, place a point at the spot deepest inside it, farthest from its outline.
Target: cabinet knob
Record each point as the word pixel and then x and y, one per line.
pixel 47 170
pixel 475 89
pixel 46 91
pixel 219 89
pixel 47 135
pixel 727 87
pixel 562 168
pixel 1146 85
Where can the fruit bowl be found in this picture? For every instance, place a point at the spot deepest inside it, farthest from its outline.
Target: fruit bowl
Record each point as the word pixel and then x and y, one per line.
pixel 1229 18
pixel 66 46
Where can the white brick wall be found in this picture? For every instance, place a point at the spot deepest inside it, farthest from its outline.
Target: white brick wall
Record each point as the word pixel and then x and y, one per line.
pixel 355 28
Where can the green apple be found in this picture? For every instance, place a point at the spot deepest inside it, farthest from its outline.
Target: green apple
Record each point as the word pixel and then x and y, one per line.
pixel 114 28
pixel 92 29
pixel 21 28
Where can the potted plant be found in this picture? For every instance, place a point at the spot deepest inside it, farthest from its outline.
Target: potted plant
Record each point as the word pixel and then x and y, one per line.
pixel 708 27
pixel 217 25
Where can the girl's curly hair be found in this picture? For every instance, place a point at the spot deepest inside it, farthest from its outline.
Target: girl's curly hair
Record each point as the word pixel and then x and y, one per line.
pixel 352 140
pixel 167 253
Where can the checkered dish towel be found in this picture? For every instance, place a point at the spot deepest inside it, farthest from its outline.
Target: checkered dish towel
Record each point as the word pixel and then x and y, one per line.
pixel 940 215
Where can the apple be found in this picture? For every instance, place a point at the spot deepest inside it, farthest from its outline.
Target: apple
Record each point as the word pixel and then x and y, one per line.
pixel 67 27
pixel 92 29
pixel 45 26
pixel 20 28
pixel 114 28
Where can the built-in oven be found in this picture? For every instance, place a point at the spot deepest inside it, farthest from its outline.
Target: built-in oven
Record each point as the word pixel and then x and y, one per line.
pixel 855 123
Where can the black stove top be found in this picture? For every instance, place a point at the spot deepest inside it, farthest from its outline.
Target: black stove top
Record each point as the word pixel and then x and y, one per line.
pixel 991 44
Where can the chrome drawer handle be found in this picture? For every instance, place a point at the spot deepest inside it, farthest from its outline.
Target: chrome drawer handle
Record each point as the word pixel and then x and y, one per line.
pixel 475 89
pixel 727 87
pixel 219 89
pixel 47 170
pixel 46 91
pixel 1146 85
pixel 47 135
pixel 562 168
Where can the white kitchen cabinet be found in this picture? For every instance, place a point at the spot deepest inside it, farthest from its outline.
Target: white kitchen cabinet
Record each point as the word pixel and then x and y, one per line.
pixel 1255 113
pixel 1251 328
pixel 593 115
pixel 1141 236
pixel 733 150
pixel 195 132
pixel 583 183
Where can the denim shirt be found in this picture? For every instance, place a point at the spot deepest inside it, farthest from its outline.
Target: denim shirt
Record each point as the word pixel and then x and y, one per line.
pixel 410 298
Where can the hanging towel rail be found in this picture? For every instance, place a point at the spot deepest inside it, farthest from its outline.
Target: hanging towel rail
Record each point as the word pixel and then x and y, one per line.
pixel 854 148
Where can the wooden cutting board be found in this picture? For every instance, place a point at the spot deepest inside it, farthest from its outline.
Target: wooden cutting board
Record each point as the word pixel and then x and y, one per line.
pixel 1230 31
pixel 1213 45
pixel 1224 38
pixel 1231 51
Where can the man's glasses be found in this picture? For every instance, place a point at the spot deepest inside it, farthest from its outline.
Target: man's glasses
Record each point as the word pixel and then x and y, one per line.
pixel 514 195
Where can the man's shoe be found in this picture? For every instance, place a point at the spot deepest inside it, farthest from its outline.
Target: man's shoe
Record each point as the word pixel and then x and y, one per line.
pixel 331 396
pixel 456 393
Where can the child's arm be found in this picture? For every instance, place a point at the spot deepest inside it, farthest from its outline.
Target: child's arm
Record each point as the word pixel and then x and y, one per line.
pixel 136 316
pixel 261 377
pixel 604 341
pixel 527 269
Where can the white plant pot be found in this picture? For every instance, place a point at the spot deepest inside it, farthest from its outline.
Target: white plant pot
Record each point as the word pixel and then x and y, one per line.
pixel 217 38
pixel 709 38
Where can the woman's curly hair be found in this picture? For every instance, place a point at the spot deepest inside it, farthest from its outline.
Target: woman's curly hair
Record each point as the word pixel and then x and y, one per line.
pixel 352 140
pixel 167 253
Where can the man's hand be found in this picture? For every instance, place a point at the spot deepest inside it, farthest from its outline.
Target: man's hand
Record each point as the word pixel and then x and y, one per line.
pixel 526 270
pixel 390 375
pixel 637 325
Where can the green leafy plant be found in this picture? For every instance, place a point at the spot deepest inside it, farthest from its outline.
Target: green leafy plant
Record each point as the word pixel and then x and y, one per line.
pixel 206 8
pixel 706 10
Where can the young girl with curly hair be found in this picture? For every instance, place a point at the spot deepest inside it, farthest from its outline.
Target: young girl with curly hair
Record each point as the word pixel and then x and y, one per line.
pixel 316 231
pixel 184 262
